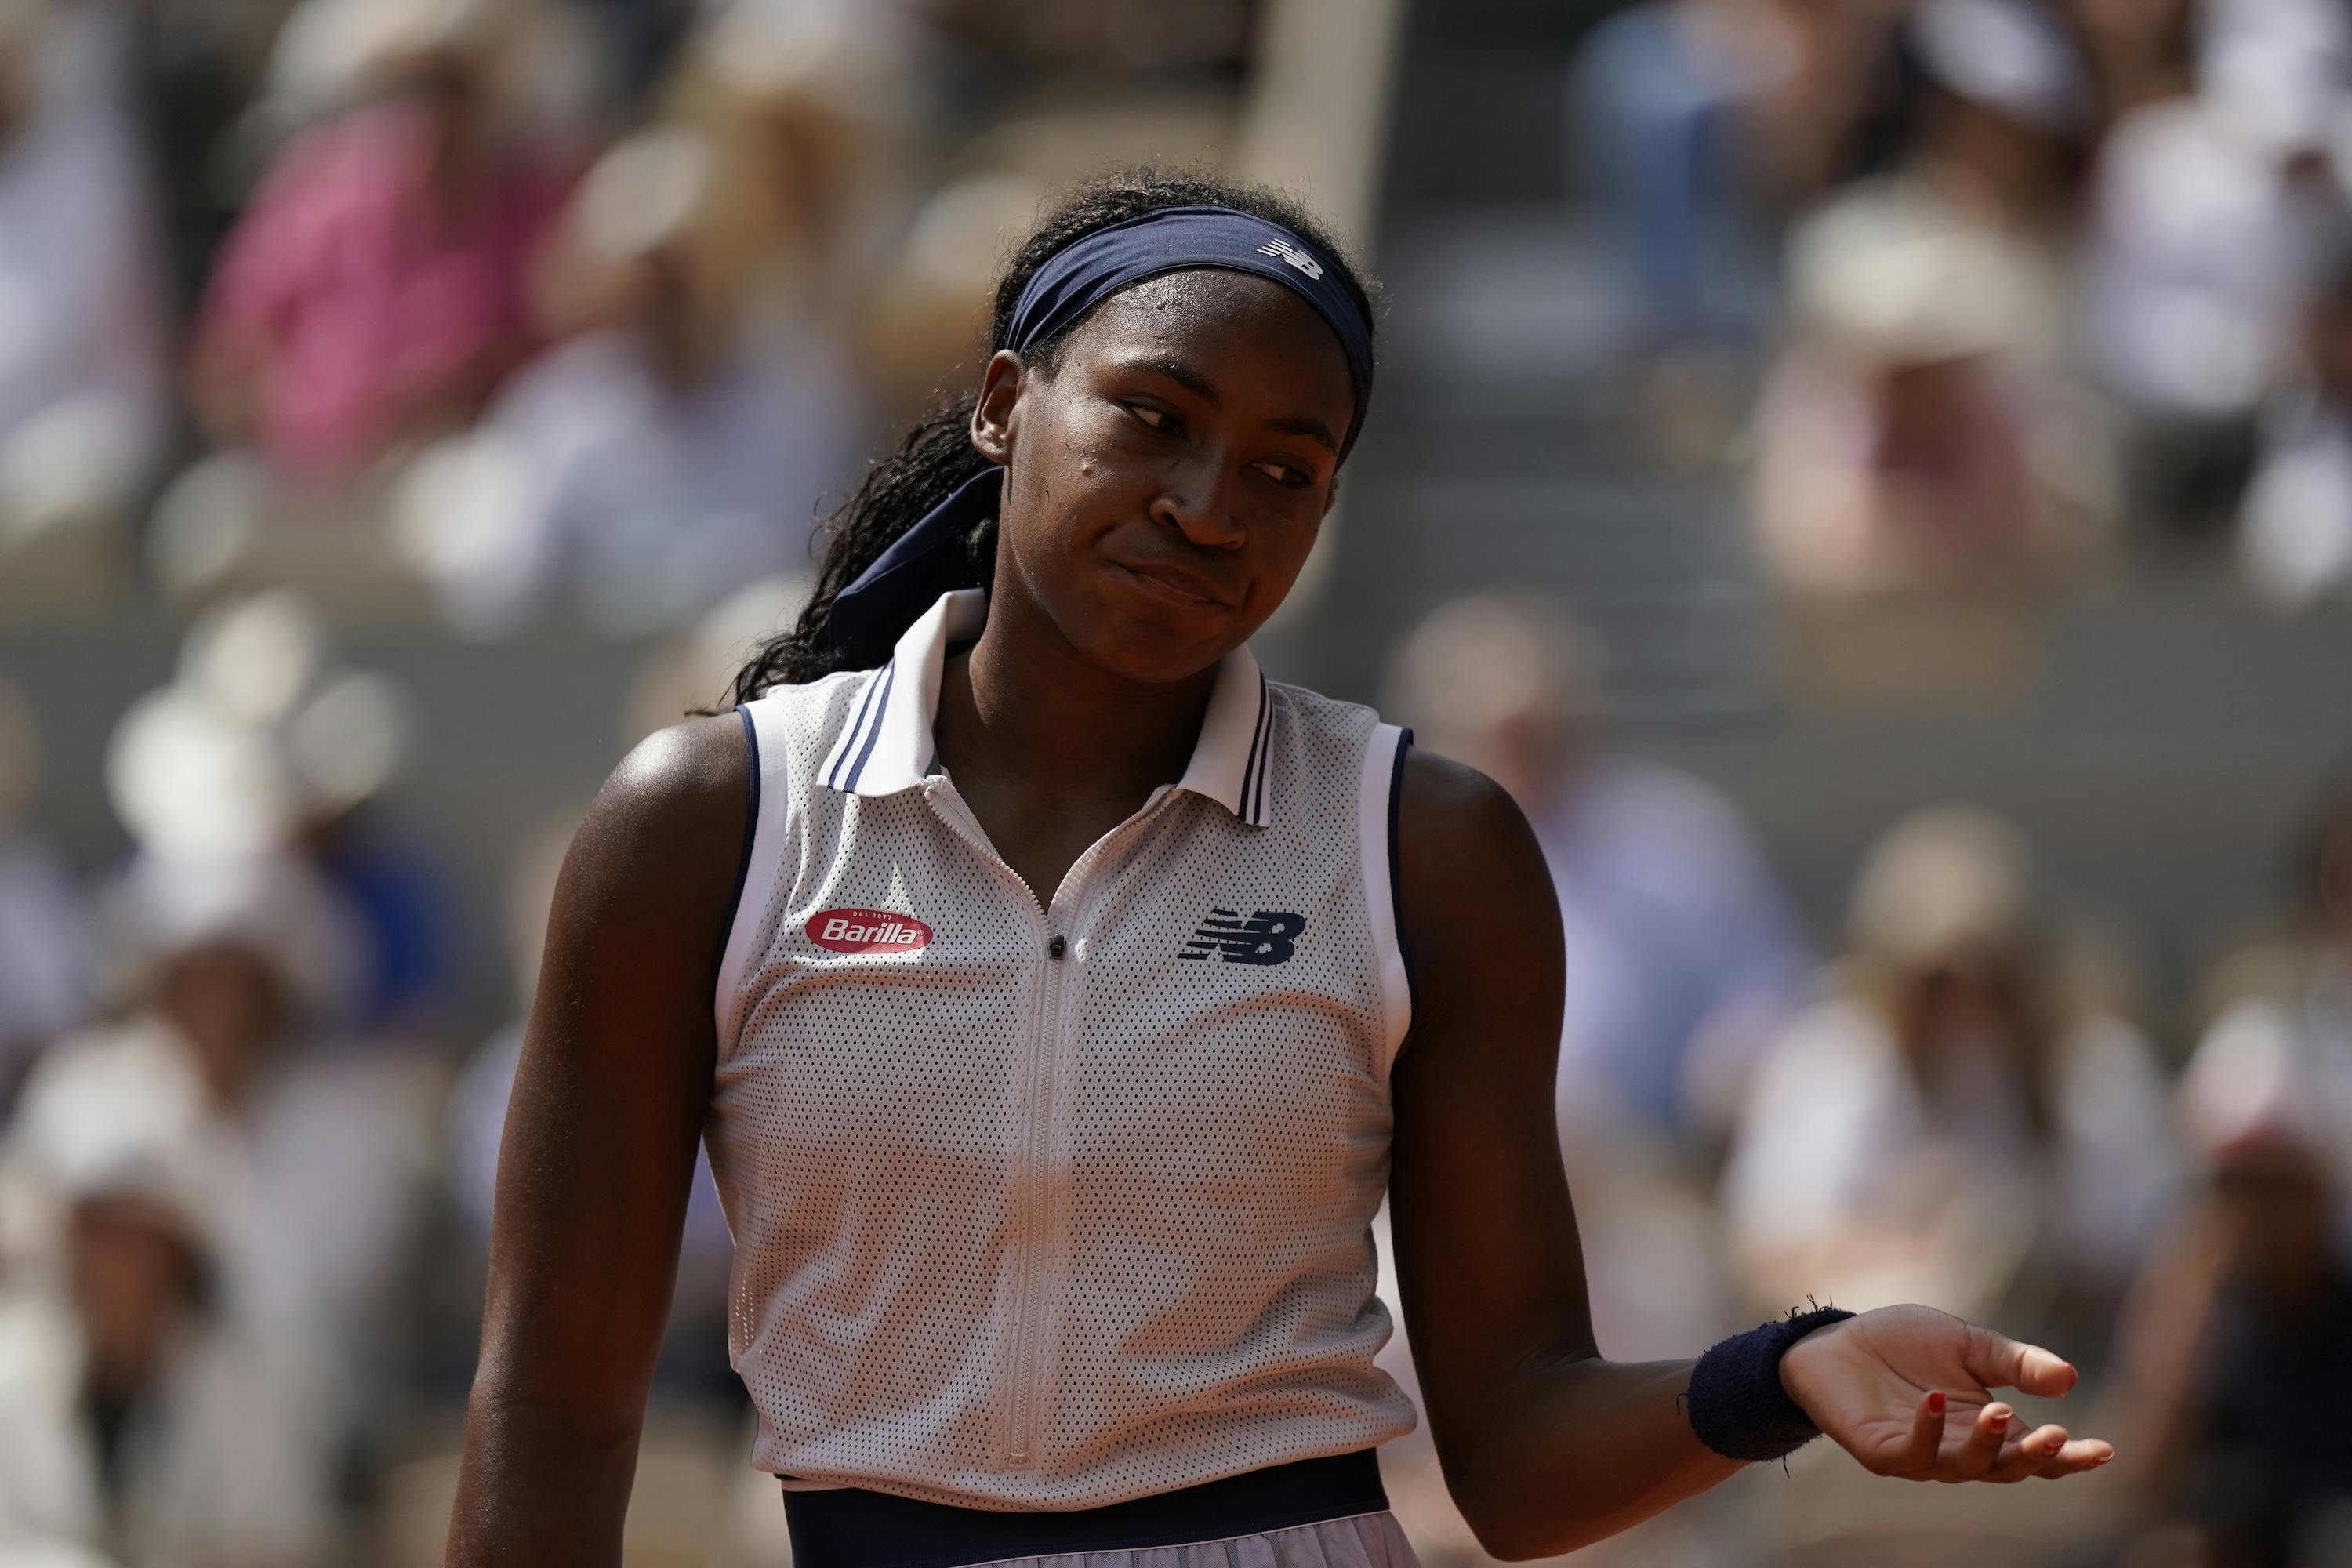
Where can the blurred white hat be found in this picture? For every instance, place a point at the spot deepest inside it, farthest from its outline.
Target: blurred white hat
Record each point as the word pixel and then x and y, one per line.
pixel 255 657
pixel 190 783
pixel 2007 55
pixel 1894 278
pixel 645 194
pixel 351 739
pixel 2275 72
pixel 270 905
pixel 124 1116
pixel 259 731
pixel 176 1178
pixel 846 59
pixel 1946 882
pixel 328 50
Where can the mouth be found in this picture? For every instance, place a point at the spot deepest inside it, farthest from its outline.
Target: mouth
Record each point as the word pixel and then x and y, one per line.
pixel 1177 585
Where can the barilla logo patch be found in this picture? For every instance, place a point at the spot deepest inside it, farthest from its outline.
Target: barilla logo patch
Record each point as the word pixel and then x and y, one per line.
pixel 867 931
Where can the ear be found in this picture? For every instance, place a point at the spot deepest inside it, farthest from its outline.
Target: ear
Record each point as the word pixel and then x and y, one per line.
pixel 1000 398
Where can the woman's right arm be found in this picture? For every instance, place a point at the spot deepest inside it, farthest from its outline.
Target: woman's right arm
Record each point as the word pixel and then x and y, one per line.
pixel 599 1150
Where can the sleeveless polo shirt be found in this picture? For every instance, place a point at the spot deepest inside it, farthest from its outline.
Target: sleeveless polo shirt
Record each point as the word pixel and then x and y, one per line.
pixel 1051 1207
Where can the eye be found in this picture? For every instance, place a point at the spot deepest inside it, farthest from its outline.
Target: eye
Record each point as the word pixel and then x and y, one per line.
pixel 1285 475
pixel 1157 419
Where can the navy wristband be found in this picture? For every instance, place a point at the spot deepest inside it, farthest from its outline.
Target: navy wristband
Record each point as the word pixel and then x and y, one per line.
pixel 1736 1404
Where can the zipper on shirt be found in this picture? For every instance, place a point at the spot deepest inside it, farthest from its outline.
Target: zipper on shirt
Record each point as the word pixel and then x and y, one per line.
pixel 1036 1200
pixel 1023 1391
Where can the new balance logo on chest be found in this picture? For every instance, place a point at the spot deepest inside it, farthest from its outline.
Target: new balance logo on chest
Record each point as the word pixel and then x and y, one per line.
pixel 1266 936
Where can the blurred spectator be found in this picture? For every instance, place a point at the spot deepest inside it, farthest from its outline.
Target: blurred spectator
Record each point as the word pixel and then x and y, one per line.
pixel 1935 1129
pixel 1680 948
pixel 133 1416
pixel 1698 121
pixel 645 470
pixel 2237 1341
pixel 45 961
pixel 304 1169
pixel 931 309
pixel 1997 129
pixel 376 290
pixel 264 744
pixel 1901 445
pixel 83 385
pixel 1918 433
pixel 808 105
pixel 2207 217
pixel 2295 534
pixel 2299 1018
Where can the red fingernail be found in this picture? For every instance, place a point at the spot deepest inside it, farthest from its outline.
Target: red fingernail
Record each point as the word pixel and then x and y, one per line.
pixel 1935 1403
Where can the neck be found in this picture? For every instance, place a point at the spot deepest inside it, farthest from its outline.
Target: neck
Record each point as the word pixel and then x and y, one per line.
pixel 1023 693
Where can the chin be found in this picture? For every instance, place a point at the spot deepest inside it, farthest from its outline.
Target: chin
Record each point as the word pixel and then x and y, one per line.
pixel 1157 641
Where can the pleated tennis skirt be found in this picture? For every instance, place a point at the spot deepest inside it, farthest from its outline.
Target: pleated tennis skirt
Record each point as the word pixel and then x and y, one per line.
pixel 1366 1540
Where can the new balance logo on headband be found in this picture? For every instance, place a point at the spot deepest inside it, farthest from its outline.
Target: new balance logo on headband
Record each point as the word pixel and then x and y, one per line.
pixel 1292 254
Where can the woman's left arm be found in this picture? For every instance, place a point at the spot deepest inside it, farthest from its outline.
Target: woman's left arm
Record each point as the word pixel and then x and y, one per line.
pixel 1545 1446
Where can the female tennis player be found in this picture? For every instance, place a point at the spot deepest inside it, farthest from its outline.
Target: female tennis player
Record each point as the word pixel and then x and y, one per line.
pixel 1058 999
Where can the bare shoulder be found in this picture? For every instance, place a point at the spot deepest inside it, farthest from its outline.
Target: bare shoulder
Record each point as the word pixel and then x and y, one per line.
pixel 671 816
pixel 1457 830
pixel 1480 919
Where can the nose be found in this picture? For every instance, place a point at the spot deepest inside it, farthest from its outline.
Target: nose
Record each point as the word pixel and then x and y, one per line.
pixel 1196 501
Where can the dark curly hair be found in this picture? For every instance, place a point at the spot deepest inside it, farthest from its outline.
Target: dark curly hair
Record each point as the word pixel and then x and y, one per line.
pixel 937 455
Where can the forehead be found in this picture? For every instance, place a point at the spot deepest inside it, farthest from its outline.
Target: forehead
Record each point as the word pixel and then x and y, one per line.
pixel 1212 317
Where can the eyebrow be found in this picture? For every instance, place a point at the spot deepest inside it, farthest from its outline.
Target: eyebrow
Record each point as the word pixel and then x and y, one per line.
pixel 1193 381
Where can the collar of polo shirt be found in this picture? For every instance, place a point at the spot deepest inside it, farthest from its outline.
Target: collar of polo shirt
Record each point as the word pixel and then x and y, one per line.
pixel 888 747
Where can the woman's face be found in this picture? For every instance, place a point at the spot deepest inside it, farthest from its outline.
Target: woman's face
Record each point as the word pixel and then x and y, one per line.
pixel 1167 476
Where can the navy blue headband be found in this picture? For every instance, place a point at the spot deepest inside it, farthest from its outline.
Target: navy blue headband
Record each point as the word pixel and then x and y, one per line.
pixel 895 589
pixel 1093 267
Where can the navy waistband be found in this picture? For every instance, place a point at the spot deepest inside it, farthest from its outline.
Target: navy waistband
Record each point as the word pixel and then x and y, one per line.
pixel 849 1528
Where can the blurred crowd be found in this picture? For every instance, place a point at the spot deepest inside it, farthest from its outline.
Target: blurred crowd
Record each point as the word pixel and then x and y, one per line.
pixel 512 318
pixel 2019 285
pixel 494 320
pixel 1956 1097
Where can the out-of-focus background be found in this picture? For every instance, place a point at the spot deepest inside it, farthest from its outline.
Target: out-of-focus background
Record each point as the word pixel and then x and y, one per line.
pixel 1872 476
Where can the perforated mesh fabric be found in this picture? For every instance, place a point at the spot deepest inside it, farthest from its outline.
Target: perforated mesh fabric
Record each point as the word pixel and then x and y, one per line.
pixel 1020 1230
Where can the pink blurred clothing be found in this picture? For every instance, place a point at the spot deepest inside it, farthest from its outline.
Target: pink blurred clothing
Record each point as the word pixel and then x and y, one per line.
pixel 362 301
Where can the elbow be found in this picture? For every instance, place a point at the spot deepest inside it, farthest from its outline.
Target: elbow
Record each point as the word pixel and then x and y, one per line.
pixel 1515 1521
pixel 1520 1535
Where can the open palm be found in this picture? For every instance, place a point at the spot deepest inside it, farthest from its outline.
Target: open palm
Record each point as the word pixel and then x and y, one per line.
pixel 1907 1391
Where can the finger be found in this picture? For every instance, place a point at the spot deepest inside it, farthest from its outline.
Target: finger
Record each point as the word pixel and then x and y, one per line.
pixel 1999 1362
pixel 2030 1455
pixel 2081 1454
pixel 1919 1449
pixel 1980 1449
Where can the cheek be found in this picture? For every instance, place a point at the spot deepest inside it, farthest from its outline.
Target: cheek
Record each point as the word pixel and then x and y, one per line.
pixel 1082 476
